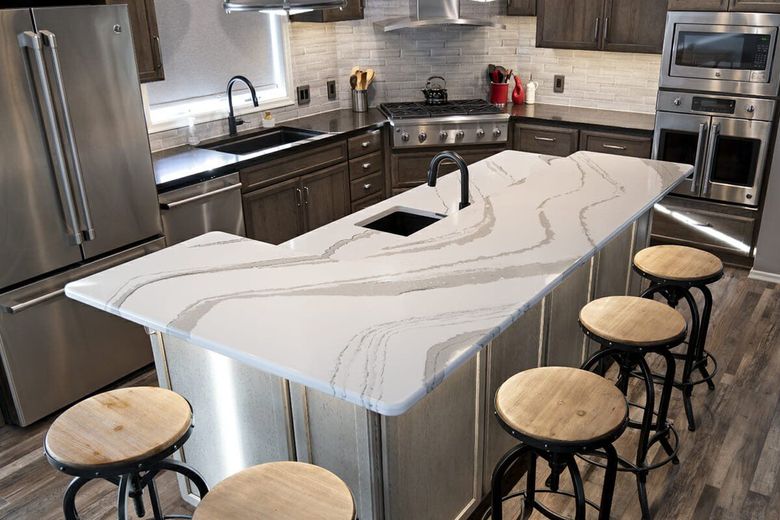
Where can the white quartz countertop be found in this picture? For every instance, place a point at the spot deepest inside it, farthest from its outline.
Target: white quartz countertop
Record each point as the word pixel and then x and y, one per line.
pixel 378 319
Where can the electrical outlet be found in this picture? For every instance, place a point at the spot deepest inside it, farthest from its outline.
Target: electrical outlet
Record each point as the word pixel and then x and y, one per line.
pixel 559 82
pixel 332 94
pixel 304 95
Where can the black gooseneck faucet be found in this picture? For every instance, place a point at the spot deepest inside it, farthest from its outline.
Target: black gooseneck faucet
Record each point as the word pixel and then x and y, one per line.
pixel 233 122
pixel 433 172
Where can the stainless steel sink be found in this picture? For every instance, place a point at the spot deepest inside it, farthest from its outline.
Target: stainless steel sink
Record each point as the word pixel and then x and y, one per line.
pixel 402 221
pixel 262 141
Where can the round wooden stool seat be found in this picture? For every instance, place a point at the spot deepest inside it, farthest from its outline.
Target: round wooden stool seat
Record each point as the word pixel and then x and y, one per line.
pixel 633 321
pixel 279 491
pixel 119 427
pixel 678 263
pixel 562 405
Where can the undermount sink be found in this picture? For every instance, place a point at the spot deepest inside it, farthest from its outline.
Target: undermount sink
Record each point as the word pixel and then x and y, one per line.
pixel 402 221
pixel 263 141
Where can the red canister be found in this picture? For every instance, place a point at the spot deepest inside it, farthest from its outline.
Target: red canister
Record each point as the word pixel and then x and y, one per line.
pixel 499 93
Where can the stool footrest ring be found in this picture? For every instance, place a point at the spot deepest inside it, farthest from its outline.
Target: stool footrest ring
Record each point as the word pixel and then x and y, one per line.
pixel 541 507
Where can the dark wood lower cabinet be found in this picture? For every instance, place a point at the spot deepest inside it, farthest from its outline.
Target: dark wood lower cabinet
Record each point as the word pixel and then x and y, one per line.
pixel 755 6
pixel 325 196
pixel 545 139
pixel 616 143
pixel 410 169
pixel 273 214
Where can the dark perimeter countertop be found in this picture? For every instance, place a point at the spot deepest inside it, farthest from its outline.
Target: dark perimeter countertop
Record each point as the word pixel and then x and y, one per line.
pixel 186 165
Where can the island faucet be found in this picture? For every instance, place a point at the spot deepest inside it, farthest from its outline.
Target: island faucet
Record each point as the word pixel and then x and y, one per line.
pixel 433 172
pixel 233 122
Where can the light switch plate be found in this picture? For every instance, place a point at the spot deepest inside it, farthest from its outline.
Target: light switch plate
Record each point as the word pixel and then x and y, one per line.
pixel 559 82
pixel 332 93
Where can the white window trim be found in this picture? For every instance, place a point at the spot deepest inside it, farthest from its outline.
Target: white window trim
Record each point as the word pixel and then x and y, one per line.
pixel 213 108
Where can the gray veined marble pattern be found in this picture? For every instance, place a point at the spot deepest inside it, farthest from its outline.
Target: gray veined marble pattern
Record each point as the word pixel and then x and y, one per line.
pixel 380 320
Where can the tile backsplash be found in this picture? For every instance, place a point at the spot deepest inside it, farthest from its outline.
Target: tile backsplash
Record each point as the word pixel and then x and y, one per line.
pixel 404 59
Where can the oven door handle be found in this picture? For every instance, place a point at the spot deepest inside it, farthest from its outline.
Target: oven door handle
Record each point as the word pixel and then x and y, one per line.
pixel 713 141
pixel 701 146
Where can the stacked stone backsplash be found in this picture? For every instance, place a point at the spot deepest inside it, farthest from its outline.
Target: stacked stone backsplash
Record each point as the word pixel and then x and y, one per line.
pixel 404 59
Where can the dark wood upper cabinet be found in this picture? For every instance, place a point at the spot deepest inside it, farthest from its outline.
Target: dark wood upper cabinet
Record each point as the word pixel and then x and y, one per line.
pixel 610 25
pixel 146 38
pixel 755 6
pixel 634 25
pixel 569 25
pixel 352 11
pixel 698 5
pixel 521 7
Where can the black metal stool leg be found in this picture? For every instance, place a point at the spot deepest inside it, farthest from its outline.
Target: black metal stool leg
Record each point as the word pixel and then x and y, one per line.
pixel 136 494
pixel 663 407
pixel 644 437
pixel 187 471
pixel 705 325
pixel 610 476
pixel 690 360
pixel 530 484
pixel 579 488
pixel 122 495
pixel 154 497
pixel 69 500
pixel 641 484
pixel 497 479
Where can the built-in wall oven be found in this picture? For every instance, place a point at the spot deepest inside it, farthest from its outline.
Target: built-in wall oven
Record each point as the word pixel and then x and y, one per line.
pixel 721 52
pixel 727 139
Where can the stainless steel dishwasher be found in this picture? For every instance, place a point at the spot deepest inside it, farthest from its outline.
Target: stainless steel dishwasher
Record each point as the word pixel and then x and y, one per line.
pixel 212 205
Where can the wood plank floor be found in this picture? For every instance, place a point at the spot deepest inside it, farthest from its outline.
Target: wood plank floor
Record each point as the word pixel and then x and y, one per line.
pixel 729 467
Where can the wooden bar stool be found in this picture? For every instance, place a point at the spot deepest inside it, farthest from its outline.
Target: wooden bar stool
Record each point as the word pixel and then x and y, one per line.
pixel 557 413
pixel 628 328
pixel 126 437
pixel 673 271
pixel 279 491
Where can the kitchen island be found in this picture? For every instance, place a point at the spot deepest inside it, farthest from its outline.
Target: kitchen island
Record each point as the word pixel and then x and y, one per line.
pixel 376 355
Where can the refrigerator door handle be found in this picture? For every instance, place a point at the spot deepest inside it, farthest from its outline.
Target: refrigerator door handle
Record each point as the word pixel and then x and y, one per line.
pixel 32 41
pixel 23 306
pixel 50 41
pixel 701 146
pixel 712 146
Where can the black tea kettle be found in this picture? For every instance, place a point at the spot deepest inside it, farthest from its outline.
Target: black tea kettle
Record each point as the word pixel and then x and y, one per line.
pixel 435 92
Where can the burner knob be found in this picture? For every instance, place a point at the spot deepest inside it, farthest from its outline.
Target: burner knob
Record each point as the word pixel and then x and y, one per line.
pixel 460 134
pixel 677 102
pixel 497 133
pixel 750 109
pixel 422 137
pixel 443 135
pixel 405 136
pixel 480 132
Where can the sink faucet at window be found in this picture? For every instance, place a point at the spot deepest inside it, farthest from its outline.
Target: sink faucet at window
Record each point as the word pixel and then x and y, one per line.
pixel 233 122
pixel 433 172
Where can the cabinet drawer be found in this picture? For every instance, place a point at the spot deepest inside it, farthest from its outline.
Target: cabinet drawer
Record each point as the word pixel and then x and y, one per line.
pixel 616 143
pixel 548 140
pixel 365 143
pixel 366 186
pixel 297 163
pixel 705 224
pixel 368 201
pixel 365 165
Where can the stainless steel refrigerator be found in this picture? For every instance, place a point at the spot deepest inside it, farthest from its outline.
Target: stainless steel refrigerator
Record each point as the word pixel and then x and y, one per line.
pixel 77 195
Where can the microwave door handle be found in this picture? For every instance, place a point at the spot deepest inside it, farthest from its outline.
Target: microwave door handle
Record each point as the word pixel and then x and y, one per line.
pixel 701 147
pixel 50 41
pixel 712 149
pixel 32 41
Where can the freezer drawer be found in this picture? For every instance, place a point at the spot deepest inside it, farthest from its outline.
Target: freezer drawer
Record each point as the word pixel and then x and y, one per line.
pixel 214 205
pixel 55 350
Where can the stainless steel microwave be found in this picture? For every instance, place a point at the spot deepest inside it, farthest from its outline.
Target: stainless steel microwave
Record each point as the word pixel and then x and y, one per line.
pixel 730 53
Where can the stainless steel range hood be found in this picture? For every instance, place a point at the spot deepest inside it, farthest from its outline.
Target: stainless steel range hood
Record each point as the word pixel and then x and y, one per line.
pixel 278 5
pixel 424 13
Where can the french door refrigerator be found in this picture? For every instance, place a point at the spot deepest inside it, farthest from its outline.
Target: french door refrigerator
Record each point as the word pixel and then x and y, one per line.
pixel 77 195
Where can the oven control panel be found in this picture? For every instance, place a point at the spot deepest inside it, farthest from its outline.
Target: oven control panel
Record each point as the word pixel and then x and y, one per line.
pixel 725 106
pixel 713 105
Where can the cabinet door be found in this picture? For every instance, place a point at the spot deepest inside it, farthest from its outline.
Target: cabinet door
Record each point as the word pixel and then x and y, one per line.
pixel 273 214
pixel 569 25
pixel 325 196
pixel 353 10
pixel 410 169
pixel 616 143
pixel 698 5
pixel 146 38
pixel 634 25
pixel 521 7
pixel 545 140
pixel 755 6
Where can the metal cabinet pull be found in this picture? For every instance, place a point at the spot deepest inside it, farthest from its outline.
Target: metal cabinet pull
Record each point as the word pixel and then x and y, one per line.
pixel 700 147
pixel 367 186
pixel 365 144
pixel 157 53
pixel 366 166
pixel 19 307
pixel 596 29
pixel 546 139
pixel 32 41
pixel 613 147
pixel 202 196
pixel 306 195
pixel 299 197
pixel 50 40
pixel 605 32
pixel 710 158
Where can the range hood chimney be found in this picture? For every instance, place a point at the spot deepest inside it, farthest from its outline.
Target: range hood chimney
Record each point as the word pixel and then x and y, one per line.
pixel 281 5
pixel 425 13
